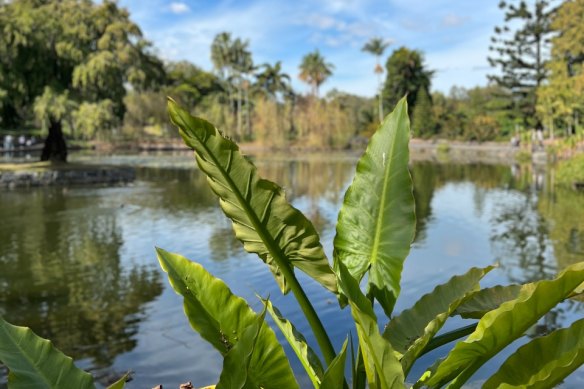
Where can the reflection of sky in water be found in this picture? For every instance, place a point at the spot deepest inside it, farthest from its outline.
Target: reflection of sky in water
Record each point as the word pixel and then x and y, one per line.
pixel 461 209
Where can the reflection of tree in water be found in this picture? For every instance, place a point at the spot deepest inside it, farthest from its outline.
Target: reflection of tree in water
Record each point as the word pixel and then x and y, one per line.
pixel 428 177
pixel 520 239
pixel 180 189
pixel 535 235
pixel 562 208
pixel 424 179
pixel 62 276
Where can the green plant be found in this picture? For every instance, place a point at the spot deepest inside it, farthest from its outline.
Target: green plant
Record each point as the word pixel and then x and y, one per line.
pixel 375 229
pixel 523 156
pixel 571 172
pixel 443 148
pixel 34 362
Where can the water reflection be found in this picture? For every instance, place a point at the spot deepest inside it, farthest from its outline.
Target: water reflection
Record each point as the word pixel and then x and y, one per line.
pixel 62 276
pixel 77 264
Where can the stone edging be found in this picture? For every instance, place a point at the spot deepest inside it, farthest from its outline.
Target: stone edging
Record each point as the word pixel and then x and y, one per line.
pixel 90 175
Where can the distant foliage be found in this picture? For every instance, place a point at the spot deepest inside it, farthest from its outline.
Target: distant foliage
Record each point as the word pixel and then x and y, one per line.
pixel 520 51
pixel 406 74
pixel 422 118
pixel 561 98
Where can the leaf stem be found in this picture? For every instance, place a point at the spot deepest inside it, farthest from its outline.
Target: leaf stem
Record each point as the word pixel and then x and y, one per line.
pixel 448 337
pixel 324 342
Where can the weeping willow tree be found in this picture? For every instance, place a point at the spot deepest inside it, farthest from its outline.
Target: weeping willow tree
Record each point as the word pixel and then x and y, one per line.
pixel 58 56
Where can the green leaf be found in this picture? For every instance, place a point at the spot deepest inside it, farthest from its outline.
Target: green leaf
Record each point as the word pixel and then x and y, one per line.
pixel 376 224
pixel 382 366
pixel 411 330
pixel 306 355
pixel 544 362
pixel 334 377
pixel 33 362
pixel 222 318
pixel 262 218
pixel 240 371
pixel 501 326
pixel 485 300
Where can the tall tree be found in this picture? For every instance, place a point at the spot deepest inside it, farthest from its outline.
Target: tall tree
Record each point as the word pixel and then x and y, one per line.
pixel 377 46
pixel 406 74
pixel 70 49
pixel 273 81
pixel 561 100
pixel 189 84
pixel 232 60
pixel 521 54
pixel 314 70
pixel 422 116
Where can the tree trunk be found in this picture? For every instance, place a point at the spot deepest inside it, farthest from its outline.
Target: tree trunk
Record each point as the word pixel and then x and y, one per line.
pixel 239 98
pixel 247 114
pixel 379 91
pixel 55 148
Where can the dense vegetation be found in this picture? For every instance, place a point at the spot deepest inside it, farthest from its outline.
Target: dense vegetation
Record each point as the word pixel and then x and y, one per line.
pixel 84 69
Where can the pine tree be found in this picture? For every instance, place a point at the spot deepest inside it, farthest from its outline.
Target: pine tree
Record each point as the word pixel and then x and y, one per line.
pixel 521 54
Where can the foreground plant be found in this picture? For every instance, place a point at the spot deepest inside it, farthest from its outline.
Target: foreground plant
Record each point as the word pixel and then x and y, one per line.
pixel 375 229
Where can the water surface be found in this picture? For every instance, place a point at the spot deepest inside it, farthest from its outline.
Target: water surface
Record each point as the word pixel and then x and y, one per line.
pixel 78 266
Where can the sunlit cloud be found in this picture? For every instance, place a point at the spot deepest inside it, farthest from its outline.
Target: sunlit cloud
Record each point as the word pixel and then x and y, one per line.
pixel 179 8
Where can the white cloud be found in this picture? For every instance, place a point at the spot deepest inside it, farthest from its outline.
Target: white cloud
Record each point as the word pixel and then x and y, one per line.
pixel 179 8
pixel 453 20
pixel 279 30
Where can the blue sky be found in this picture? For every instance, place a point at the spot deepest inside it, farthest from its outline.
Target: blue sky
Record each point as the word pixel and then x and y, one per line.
pixel 453 34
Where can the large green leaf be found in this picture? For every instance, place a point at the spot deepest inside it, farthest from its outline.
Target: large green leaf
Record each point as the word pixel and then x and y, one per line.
pixel 544 362
pixel 411 330
pixel 305 354
pixel 485 300
pixel 262 218
pixel 334 376
pixel 376 223
pixel 382 366
pixel 240 371
pixel 499 327
pixel 222 318
pixel 33 362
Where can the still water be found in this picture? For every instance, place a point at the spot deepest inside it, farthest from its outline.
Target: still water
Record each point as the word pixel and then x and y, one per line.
pixel 78 265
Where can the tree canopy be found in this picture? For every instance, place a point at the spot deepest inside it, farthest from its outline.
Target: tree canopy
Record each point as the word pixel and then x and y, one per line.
pixel 314 70
pixel 91 53
pixel 406 74
pixel 561 99
pixel 521 53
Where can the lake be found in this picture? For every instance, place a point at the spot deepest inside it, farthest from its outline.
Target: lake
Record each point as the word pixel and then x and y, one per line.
pixel 78 265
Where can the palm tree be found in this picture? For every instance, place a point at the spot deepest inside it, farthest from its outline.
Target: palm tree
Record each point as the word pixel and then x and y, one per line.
pixel 314 70
pixel 377 46
pixel 221 54
pixel 232 60
pixel 273 81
